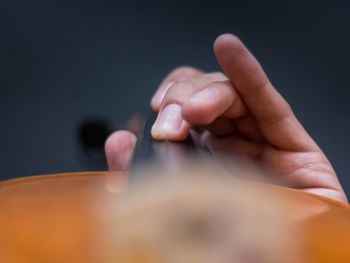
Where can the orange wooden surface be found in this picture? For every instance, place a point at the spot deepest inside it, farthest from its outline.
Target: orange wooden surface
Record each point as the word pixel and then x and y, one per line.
pixel 47 218
pixel 50 219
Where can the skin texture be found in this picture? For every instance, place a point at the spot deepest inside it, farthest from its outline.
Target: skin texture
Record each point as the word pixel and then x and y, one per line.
pixel 239 112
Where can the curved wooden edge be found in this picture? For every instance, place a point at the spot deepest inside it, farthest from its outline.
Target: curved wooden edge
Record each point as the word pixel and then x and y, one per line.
pixel 56 175
pixel 319 197
pixel 93 173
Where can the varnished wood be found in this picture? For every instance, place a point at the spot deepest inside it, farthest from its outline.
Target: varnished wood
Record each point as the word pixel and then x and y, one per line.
pixel 51 218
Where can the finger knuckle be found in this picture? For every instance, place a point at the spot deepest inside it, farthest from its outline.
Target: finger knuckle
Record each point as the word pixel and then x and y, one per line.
pixel 179 91
pixel 185 70
pixel 182 85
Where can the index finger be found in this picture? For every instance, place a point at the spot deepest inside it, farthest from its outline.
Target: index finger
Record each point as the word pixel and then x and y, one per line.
pixel 272 113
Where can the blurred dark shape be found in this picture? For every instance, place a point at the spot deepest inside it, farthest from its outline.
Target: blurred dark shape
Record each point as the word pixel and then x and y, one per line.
pixel 92 136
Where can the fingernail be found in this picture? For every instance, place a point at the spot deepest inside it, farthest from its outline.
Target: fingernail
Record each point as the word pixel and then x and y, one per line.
pixel 203 95
pixel 169 120
pixel 158 97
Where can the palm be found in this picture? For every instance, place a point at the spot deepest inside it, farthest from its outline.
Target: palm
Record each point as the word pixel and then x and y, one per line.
pixel 309 171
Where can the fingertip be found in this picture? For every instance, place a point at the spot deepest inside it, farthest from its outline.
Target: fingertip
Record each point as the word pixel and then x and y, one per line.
pixel 119 138
pixel 227 39
pixel 171 135
pixel 226 42
pixel 170 124
pixel 119 148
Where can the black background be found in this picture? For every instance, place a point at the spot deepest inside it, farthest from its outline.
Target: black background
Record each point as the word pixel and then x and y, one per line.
pixel 65 61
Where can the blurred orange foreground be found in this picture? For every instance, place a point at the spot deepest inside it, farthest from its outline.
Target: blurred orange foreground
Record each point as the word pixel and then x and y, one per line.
pixel 55 218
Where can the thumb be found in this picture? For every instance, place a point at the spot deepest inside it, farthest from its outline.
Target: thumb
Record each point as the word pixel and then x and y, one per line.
pixel 119 148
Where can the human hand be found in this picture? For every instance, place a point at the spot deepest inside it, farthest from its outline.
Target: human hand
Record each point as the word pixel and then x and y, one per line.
pixel 241 112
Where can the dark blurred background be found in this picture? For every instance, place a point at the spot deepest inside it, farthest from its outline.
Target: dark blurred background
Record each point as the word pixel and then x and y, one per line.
pixel 74 68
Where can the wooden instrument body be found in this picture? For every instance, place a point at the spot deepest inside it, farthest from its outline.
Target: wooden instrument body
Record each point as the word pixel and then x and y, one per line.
pixel 50 219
